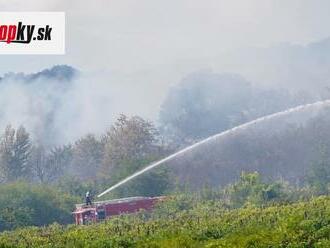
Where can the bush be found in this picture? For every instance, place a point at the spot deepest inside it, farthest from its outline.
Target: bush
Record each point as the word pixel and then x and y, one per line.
pixel 23 204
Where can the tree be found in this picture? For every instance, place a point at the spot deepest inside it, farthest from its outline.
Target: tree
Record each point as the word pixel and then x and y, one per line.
pixel 129 139
pixel 59 160
pixel 87 157
pixel 38 163
pixel 50 166
pixel 33 205
pixel 318 177
pixel 15 149
pixel 203 104
pixel 152 183
pixel 250 189
pixel 131 144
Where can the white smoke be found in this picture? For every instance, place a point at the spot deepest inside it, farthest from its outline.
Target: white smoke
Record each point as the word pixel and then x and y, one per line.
pixel 55 111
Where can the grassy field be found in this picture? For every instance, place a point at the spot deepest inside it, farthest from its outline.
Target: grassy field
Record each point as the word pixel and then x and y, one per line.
pixel 208 224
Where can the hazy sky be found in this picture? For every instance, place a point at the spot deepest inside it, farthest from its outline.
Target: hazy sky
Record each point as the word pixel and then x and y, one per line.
pixel 140 47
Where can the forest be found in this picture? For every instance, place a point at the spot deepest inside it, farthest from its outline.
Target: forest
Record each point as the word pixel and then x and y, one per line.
pixel 266 186
pixel 165 124
pixel 248 213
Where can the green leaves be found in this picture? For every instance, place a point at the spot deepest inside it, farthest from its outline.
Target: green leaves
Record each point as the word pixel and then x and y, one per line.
pixel 15 149
pixel 251 190
pixel 24 204
pixel 182 223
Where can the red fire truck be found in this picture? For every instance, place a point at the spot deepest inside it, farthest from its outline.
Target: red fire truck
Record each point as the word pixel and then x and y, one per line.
pixel 101 210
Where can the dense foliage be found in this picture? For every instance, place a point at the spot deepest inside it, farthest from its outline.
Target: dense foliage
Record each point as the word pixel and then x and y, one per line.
pixel 247 213
pixel 205 224
pixel 91 163
pixel 40 180
pixel 24 204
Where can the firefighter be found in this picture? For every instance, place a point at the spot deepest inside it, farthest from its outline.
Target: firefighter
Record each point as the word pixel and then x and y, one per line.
pixel 88 199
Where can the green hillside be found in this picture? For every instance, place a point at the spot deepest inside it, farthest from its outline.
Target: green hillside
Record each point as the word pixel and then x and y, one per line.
pixel 208 224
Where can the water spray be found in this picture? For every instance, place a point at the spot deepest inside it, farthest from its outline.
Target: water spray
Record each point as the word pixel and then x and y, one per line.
pixel 214 137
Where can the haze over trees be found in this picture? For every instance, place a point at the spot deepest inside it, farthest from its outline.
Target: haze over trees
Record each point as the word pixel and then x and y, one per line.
pixel 15 148
pixel 285 155
pixel 29 171
pixel 129 145
pixel 207 103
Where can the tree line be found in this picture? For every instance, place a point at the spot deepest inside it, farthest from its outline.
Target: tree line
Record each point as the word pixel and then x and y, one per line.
pixel 128 145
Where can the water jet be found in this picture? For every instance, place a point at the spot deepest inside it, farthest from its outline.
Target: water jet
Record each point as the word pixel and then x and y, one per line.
pixel 215 137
